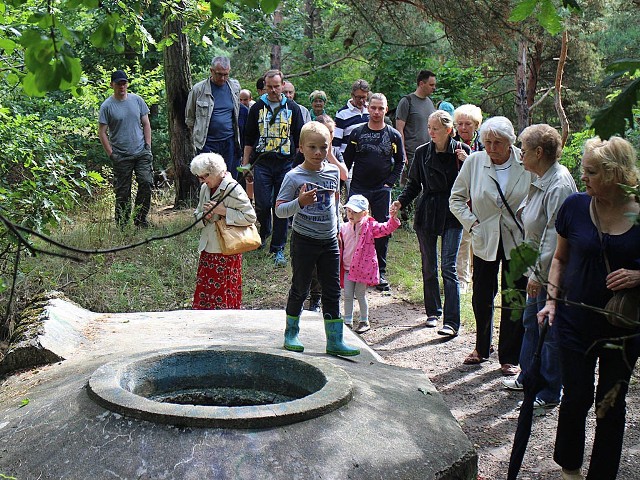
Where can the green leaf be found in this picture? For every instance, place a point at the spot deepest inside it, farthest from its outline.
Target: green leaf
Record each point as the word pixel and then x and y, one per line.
pixel 549 17
pixel 624 65
pixel 7 45
pixel 219 3
pixel 612 119
pixel 269 6
pixel 216 11
pixel 103 35
pixel 12 79
pixel 523 10
pixel 571 3
pixel 24 402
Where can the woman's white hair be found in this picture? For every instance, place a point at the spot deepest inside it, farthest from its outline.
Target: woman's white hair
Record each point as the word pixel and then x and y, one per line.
pixel 499 127
pixel 210 163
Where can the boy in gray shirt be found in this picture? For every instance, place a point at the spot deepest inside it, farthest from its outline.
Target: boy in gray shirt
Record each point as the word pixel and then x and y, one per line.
pixel 310 194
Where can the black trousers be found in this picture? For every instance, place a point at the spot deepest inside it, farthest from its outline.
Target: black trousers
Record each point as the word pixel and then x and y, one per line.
pixel 485 289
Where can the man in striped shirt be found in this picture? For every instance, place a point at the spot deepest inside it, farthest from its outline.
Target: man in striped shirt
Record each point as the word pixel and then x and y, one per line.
pixel 353 114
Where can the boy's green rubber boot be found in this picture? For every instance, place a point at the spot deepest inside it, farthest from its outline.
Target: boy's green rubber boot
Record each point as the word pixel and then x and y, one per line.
pixel 291 340
pixel 335 345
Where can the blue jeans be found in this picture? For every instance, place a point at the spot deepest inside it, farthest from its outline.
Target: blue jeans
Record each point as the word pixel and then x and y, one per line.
pixel 379 201
pixel 578 378
pixel 549 357
pixel 227 150
pixel 431 287
pixel 267 180
pixel 309 253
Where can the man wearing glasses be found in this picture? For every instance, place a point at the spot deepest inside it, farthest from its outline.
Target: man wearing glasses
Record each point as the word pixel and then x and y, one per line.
pixel 353 114
pixel 125 133
pixel 212 114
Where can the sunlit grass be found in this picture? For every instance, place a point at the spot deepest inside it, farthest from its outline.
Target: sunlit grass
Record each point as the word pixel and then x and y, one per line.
pixel 160 275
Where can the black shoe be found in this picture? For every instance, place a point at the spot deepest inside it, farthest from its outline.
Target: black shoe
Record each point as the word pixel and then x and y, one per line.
pixel 383 285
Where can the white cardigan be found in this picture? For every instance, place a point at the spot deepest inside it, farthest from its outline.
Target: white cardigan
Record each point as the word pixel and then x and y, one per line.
pixel 239 212
pixel 474 182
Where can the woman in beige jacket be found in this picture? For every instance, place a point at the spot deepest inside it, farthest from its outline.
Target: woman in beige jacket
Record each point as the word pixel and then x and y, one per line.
pixel 219 279
pixel 495 182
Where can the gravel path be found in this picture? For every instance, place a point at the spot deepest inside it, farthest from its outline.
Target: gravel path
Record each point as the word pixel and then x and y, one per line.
pixel 486 411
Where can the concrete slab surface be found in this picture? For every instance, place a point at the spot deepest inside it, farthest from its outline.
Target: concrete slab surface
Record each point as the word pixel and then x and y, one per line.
pixel 395 427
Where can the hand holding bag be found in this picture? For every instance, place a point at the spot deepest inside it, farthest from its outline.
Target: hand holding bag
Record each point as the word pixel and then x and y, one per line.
pixel 623 309
pixel 234 239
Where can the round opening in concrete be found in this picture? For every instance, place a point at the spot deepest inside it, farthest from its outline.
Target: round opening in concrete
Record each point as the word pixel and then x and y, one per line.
pixel 221 387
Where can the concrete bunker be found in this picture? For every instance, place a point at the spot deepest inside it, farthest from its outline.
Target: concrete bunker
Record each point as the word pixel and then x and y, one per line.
pixel 232 387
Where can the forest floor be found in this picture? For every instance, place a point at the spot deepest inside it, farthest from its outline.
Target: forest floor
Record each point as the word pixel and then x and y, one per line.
pixel 487 412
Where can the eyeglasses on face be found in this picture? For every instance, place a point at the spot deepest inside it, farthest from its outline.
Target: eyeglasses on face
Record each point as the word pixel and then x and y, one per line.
pixel 360 97
pixel 221 74
pixel 203 177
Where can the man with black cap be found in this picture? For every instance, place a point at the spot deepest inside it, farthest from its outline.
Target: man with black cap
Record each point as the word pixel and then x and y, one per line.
pixel 125 134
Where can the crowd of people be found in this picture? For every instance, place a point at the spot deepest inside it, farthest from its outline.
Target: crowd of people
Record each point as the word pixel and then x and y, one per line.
pixel 476 193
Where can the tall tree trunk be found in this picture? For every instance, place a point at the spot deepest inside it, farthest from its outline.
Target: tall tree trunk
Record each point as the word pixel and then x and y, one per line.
pixel 535 65
pixel 276 49
pixel 309 28
pixel 558 102
pixel 522 107
pixel 177 79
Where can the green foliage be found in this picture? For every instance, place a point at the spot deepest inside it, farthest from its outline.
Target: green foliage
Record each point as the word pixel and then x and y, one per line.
pixel 522 258
pixel 572 153
pixel 39 176
pixel 544 11
pixel 618 116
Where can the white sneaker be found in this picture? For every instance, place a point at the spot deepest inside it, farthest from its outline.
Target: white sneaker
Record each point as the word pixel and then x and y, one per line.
pixel 512 384
pixel 539 403
pixel 431 322
pixel 363 327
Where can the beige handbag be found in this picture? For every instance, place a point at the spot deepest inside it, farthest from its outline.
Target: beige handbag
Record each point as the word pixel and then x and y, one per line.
pixel 235 239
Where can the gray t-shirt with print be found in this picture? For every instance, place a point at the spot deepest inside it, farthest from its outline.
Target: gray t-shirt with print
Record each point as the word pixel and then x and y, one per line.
pixel 415 112
pixel 320 219
pixel 123 118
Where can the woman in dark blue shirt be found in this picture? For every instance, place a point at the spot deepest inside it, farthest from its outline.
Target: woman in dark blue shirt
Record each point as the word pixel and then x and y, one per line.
pixel 579 275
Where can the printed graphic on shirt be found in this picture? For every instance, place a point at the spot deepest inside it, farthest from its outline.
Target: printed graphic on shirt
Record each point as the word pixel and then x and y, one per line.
pixel 322 209
pixel 376 143
pixel 274 131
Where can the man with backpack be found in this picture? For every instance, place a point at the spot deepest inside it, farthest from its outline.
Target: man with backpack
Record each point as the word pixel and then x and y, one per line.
pixel 412 115
pixel 376 153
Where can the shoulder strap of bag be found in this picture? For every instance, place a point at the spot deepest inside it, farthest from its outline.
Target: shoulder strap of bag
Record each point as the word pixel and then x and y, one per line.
pixel 594 213
pixel 225 194
pixel 504 200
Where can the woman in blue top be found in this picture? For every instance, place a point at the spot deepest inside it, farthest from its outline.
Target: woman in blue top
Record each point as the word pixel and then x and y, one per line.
pixel 578 275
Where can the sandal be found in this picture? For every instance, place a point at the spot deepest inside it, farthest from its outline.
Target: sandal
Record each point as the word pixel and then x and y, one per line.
pixel 474 359
pixel 509 369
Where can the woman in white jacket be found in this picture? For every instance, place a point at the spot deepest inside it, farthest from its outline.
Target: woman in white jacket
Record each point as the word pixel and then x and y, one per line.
pixel 495 183
pixel 219 278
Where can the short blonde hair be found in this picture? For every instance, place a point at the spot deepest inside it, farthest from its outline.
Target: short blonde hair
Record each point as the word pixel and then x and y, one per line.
pixel 318 95
pixel 314 127
pixel 468 110
pixel 617 157
pixel 443 118
pixel 544 136
pixel 208 163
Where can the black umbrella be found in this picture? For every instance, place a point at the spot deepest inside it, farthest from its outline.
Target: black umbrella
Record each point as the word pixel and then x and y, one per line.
pixel 532 382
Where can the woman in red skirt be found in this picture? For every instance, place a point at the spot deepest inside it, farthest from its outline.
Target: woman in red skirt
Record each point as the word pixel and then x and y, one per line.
pixel 219 280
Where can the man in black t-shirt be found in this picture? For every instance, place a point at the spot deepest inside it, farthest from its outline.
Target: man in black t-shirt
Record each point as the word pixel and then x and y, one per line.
pixel 376 152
